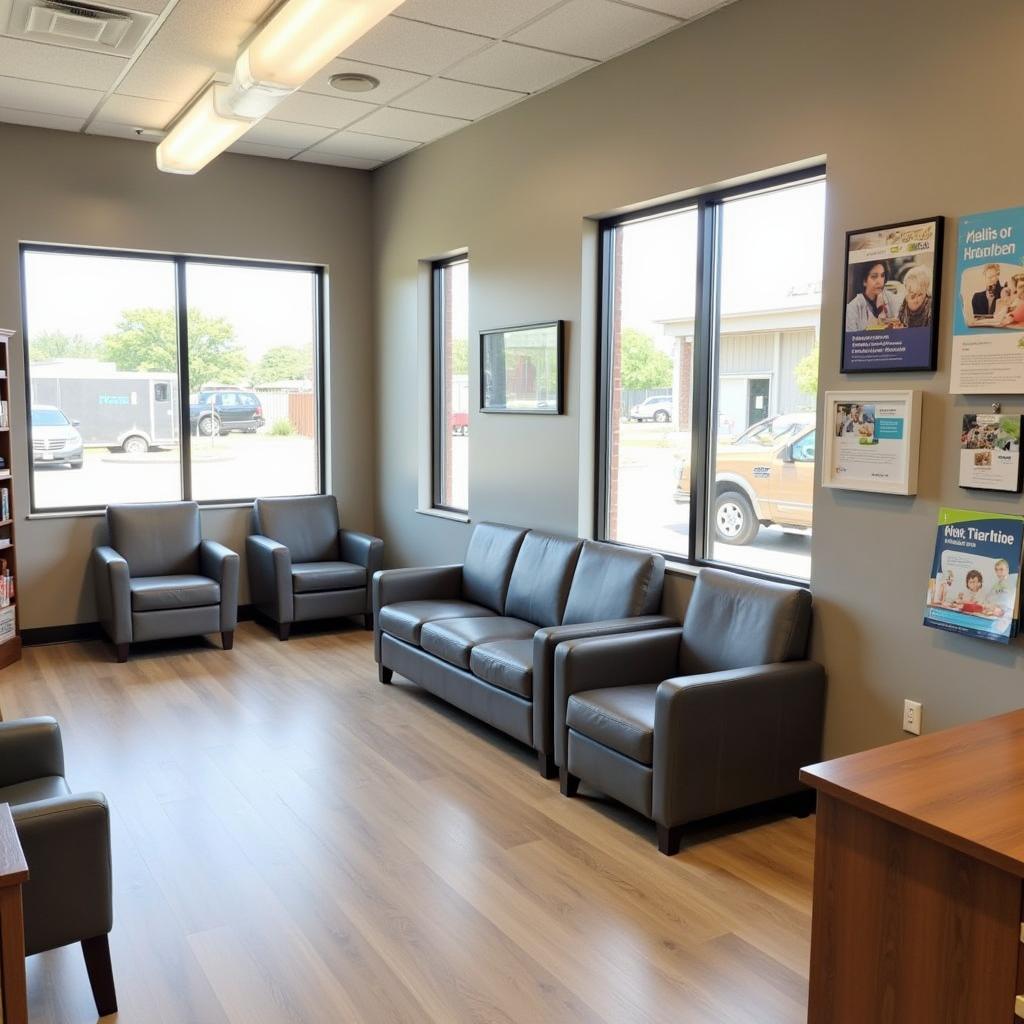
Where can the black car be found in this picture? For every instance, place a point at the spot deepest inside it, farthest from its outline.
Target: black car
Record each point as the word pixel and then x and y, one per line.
pixel 221 410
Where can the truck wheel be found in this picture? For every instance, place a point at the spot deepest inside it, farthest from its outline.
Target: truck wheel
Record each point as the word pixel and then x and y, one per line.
pixel 661 416
pixel 206 426
pixel 734 519
pixel 75 465
pixel 135 445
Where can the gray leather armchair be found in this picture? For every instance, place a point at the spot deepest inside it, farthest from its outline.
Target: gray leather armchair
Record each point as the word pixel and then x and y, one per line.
pixel 66 839
pixel 158 578
pixel 685 723
pixel 303 566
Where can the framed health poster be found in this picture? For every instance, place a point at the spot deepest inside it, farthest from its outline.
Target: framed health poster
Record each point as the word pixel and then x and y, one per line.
pixel 872 441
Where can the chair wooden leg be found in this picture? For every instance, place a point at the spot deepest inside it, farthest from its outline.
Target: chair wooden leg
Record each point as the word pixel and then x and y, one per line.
pixel 122 652
pixel 283 630
pixel 367 620
pixel 227 637
pixel 384 674
pixel 546 764
pixel 670 838
pixel 101 975
pixel 568 783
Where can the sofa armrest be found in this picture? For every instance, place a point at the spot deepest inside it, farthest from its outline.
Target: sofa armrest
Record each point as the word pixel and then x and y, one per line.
pixel 633 659
pixel 390 586
pixel 546 641
pixel 68 895
pixel 728 739
pixel 221 564
pixel 362 549
pixel 270 577
pixel 30 748
pixel 113 594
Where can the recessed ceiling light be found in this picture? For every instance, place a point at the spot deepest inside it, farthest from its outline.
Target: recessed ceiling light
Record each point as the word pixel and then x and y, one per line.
pixel 354 83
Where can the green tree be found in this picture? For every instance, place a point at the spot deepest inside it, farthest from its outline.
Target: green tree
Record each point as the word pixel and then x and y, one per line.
pixel 146 340
pixel 460 355
pixel 58 345
pixel 644 366
pixel 806 373
pixel 284 362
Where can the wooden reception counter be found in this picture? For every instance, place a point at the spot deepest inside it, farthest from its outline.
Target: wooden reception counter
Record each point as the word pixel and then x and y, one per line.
pixel 918 879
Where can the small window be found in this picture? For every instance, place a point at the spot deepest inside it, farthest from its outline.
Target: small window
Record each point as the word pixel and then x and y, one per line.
pixel 451 385
pixel 161 392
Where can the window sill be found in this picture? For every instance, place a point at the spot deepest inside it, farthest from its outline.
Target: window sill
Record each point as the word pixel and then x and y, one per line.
pixel 85 513
pixel 441 513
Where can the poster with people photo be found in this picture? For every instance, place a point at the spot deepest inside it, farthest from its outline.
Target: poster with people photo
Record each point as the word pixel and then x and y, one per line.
pixel 891 307
pixel 974 582
pixel 988 321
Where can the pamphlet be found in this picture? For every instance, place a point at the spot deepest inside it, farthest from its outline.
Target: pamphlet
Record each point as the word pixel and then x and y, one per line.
pixel 990 452
pixel 974 584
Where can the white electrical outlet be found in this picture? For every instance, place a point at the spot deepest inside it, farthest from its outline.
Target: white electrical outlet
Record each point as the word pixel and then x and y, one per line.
pixel 912 717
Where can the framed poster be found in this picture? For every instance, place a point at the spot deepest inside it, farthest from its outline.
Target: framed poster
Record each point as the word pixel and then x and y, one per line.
pixel 872 441
pixel 990 451
pixel 988 322
pixel 891 303
pixel 521 369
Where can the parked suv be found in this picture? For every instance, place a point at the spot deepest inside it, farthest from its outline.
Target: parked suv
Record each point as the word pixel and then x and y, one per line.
pixel 55 438
pixel 658 409
pixel 763 477
pixel 221 410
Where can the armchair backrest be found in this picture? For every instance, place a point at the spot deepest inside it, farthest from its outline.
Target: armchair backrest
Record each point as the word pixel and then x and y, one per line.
pixel 734 621
pixel 487 568
pixel 540 581
pixel 307 526
pixel 612 582
pixel 156 539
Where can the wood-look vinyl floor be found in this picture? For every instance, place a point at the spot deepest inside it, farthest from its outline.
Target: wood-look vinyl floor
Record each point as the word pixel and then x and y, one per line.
pixel 295 843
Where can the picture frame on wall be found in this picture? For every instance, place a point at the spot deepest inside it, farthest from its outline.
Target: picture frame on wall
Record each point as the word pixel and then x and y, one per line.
pixel 872 441
pixel 892 284
pixel 522 369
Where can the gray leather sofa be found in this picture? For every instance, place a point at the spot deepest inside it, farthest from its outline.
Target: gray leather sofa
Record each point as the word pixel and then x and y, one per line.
pixel 303 566
pixel 681 724
pixel 66 840
pixel 483 634
pixel 158 578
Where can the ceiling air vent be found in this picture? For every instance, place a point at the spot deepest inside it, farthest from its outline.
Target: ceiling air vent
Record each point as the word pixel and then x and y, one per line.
pixel 79 25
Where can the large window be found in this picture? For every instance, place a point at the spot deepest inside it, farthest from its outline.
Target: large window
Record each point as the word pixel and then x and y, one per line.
pixel 709 376
pixel 451 385
pixel 156 378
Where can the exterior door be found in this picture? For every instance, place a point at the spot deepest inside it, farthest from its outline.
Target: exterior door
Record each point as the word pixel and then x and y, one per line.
pixel 757 399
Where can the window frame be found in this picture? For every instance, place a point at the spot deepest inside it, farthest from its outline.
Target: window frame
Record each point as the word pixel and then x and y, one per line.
pixel 180 262
pixel 706 352
pixel 437 384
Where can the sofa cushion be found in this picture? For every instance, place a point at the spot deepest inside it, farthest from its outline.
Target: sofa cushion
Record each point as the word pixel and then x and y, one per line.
pixel 159 593
pixel 540 581
pixel 453 640
pixel 405 619
pixel 620 717
pixel 156 538
pixel 488 564
pixel 306 526
pixel 45 788
pixel 613 582
pixel 507 664
pixel 308 577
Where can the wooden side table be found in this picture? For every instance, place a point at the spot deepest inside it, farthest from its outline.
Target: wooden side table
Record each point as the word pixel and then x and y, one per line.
pixel 13 873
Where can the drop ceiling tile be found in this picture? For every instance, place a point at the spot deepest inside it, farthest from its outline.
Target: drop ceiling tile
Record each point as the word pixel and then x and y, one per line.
pixel 121 131
pixel 41 120
pixel 594 28
pixel 683 8
pixel 198 39
pixel 146 6
pixel 409 125
pixel 21 58
pixel 507 66
pixel 254 149
pixel 137 112
pixel 307 108
pixel 269 132
pixel 47 99
pixel 413 46
pixel 457 99
pixel 313 157
pixel 487 17
pixel 364 147
pixel 392 83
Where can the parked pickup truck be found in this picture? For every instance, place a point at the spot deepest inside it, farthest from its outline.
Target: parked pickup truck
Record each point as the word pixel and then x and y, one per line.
pixel 221 410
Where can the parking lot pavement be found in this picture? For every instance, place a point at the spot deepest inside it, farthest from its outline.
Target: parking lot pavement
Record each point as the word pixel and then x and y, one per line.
pixel 231 467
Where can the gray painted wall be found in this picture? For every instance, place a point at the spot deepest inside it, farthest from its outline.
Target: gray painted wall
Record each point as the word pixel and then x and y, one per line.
pixel 910 103
pixel 86 190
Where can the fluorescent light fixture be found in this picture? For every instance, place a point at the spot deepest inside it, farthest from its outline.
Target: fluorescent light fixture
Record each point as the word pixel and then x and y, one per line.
pixel 302 37
pixel 203 132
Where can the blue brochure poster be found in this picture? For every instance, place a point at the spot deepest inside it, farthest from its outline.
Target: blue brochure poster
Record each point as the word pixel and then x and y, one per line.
pixel 975 578
pixel 988 314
